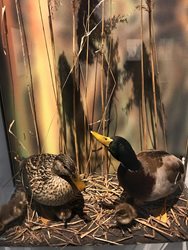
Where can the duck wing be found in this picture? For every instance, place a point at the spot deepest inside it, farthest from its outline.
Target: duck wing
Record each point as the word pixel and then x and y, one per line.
pixel 153 160
pixel 167 169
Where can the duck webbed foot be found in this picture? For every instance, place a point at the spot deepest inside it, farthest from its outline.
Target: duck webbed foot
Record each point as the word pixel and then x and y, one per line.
pixel 161 214
pixel 44 220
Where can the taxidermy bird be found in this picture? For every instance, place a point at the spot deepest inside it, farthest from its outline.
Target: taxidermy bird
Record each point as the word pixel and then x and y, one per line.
pixel 124 213
pixel 13 210
pixel 147 176
pixel 52 181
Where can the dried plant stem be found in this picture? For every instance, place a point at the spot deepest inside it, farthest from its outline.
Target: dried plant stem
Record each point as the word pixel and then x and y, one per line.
pixel 150 13
pixel 109 80
pixel 153 227
pixel 57 86
pixel 27 62
pixel 47 51
pixel 87 43
pixel 82 43
pixel 19 142
pixel 103 226
pixel 140 126
pixel 157 75
pixel 87 166
pixel 186 156
pixel 107 241
pixel 74 81
pixel 86 84
pixel 6 50
pixel 143 103
pixel 164 125
pixel 109 58
pixel 31 101
pixel 104 153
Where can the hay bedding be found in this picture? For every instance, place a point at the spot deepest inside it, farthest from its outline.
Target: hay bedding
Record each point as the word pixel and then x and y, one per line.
pixel 103 229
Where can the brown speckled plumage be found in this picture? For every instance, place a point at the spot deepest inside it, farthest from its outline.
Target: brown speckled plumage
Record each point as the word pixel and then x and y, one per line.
pixel 47 178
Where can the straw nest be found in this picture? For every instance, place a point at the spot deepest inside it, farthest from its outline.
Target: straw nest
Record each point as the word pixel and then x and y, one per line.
pixel 103 228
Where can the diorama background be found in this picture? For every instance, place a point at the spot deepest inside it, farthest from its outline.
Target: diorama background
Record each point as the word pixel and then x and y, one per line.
pixel 171 27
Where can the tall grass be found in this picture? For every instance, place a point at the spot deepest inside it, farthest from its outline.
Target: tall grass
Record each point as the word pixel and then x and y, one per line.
pixel 27 64
pixel 93 45
pixel 143 102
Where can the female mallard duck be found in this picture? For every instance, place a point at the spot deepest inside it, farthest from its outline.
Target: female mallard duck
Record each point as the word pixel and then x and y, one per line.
pixel 147 176
pixel 51 180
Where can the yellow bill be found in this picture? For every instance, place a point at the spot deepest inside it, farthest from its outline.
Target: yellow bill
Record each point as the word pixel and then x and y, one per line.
pixel 79 183
pixel 102 139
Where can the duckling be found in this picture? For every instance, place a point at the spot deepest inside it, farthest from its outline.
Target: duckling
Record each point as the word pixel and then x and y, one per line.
pixel 125 214
pixel 13 209
pixel 67 212
pixel 147 176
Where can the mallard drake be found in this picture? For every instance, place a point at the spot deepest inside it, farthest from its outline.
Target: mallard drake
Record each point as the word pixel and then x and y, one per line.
pixel 147 176
pixel 51 180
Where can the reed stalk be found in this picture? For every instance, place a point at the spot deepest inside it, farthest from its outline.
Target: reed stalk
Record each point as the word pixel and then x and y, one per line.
pixel 143 101
pixel 74 81
pixel 164 125
pixel 150 14
pixel 87 43
pixel 186 157
pixel 86 138
pixel 54 84
pixel 140 126
pixel 104 153
pixel 108 83
pixel 47 51
pixel 57 86
pixel 157 75
pixel 4 37
pixel 109 56
pixel 25 51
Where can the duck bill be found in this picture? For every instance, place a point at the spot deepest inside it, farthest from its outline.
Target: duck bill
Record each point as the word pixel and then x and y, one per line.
pixel 79 183
pixel 102 139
